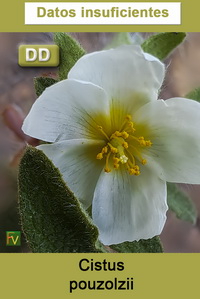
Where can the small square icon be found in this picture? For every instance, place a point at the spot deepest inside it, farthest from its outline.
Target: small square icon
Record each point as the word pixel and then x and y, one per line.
pixel 13 238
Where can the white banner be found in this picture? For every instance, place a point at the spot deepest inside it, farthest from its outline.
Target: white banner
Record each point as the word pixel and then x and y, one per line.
pixel 102 13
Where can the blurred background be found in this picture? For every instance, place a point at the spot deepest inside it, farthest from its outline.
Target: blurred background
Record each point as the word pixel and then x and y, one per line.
pixel 17 96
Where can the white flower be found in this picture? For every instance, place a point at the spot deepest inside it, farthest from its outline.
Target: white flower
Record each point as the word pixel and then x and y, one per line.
pixel 115 144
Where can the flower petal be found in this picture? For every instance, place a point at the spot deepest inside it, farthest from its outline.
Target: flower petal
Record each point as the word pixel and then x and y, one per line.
pixel 127 208
pixel 126 73
pixel 66 110
pixel 76 160
pixel 174 129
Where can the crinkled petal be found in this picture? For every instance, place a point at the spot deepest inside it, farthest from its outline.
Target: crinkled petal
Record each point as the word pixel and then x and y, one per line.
pixel 128 75
pixel 174 130
pixel 76 160
pixel 66 110
pixel 128 208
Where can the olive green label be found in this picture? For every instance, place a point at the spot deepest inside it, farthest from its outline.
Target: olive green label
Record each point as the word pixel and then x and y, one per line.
pixel 38 55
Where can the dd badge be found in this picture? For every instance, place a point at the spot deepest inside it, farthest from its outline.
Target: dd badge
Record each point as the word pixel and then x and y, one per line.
pixel 38 55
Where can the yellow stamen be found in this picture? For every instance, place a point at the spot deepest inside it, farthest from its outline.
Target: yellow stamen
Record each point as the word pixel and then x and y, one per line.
pixel 142 141
pixel 116 166
pixel 138 155
pixel 107 169
pixel 132 171
pixel 104 150
pixel 131 126
pixel 137 173
pixel 118 134
pixel 99 156
pixel 102 131
pixel 125 144
pixel 116 160
pixel 123 147
pixel 128 117
pixel 132 157
pixel 113 149
pixel 124 134
pixel 149 143
pixel 127 120
pixel 144 161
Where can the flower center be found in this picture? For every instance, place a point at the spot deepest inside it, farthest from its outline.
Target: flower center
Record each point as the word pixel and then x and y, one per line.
pixel 123 147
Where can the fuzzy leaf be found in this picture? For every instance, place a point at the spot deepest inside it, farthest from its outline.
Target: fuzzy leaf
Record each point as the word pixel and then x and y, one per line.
pixel 121 38
pixel 70 52
pixel 52 218
pixel 180 204
pixel 41 83
pixel 194 95
pixel 142 246
pixel 162 44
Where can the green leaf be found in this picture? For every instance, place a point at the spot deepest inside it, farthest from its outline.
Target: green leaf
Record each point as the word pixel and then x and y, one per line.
pixel 70 52
pixel 162 44
pixel 180 204
pixel 194 95
pixel 41 83
pixel 52 218
pixel 142 246
pixel 120 38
